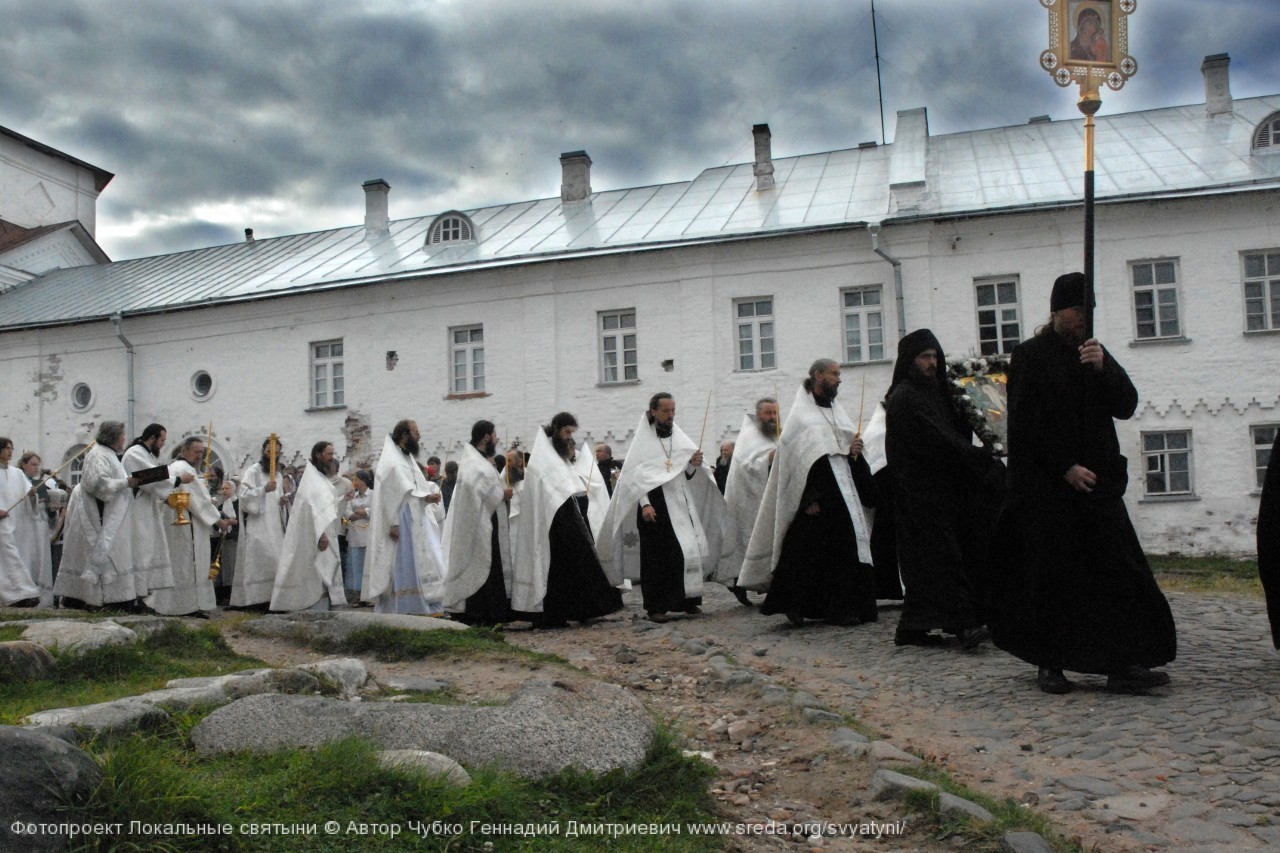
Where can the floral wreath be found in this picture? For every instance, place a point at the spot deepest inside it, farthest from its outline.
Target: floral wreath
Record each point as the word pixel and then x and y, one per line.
pixel 970 368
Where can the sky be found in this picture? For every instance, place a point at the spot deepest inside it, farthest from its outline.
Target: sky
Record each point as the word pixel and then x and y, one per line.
pixel 221 115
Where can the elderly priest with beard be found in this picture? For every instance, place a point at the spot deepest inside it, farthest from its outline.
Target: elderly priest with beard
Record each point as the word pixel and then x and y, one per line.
pixel 403 563
pixel 558 575
pixel 752 458
pixel 811 546
pixel 477 541
pixel 669 497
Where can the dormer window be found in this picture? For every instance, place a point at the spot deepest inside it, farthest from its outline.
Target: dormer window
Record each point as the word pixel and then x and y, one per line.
pixel 1267 136
pixel 450 227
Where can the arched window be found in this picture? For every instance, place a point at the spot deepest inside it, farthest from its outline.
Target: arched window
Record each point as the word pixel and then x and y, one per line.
pixel 76 468
pixel 1267 136
pixel 452 227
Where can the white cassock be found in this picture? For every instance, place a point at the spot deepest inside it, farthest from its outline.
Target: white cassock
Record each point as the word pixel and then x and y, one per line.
pixel 260 539
pixel 17 580
pixel 468 530
pixel 152 567
pixel 752 458
pixel 593 483
pixel 306 577
pixel 405 576
pixel 35 538
pixel 97 551
pixel 189 549
pixel 809 434
pixel 695 508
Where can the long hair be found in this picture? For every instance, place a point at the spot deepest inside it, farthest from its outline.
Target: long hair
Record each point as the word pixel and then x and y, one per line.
pixel 481 430
pixel 151 431
pixel 316 450
pixel 400 431
pixel 559 422
pixel 814 369
pixel 109 433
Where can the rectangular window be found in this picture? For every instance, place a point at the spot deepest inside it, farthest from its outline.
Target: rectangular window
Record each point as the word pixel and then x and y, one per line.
pixel 1263 438
pixel 467 355
pixel 327 381
pixel 618 346
pixel 1167 462
pixel 863 324
pixel 753 319
pixel 999 326
pixel 1155 299
pixel 1262 292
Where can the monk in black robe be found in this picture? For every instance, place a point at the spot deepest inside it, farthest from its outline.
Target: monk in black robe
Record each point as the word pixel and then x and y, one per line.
pixel 1269 540
pixel 1078 594
pixel 943 508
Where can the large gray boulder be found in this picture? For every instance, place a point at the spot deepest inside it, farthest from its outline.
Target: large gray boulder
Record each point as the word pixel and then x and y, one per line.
pixel 78 635
pixel 546 727
pixel 42 777
pixel 106 719
pixel 336 625
pixel 21 660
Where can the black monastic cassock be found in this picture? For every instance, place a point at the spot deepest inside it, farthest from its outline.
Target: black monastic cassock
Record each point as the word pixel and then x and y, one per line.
pixel 662 560
pixel 577 588
pixel 946 493
pixel 818 575
pixel 489 605
pixel 884 545
pixel 1076 592
pixel 1269 540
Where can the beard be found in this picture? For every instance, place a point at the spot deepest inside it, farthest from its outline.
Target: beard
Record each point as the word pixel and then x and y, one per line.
pixel 487 448
pixel 563 446
pixel 769 429
pixel 410 446
pixel 663 430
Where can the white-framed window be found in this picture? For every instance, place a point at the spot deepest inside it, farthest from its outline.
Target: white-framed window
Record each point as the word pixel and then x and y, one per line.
pixel 466 356
pixel 81 397
pixel 753 322
pixel 618 346
pixel 1155 299
pixel 75 471
pixel 202 385
pixel 999 320
pixel 1167 462
pixel 450 228
pixel 1264 436
pixel 863 316
pixel 1261 291
pixel 327 379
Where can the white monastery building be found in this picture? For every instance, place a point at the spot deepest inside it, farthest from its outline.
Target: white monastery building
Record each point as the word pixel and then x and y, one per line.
pixel 725 287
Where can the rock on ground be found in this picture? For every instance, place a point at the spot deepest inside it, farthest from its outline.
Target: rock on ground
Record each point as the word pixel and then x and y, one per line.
pixel 42 777
pixel 77 635
pixel 427 763
pixel 546 727
pixel 21 660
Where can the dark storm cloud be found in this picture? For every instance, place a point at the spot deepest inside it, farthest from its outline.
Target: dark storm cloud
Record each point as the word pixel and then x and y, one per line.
pixel 223 115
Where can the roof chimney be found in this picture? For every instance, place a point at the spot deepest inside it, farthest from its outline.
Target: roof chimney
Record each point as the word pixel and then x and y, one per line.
pixel 248 235
pixel 1217 84
pixel 575 176
pixel 763 168
pixel 376 222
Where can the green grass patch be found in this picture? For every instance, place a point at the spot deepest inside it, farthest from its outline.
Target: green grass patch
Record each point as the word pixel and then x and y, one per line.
pixel 159 780
pixel 398 644
pixel 1211 573
pixel 113 672
pixel 9 633
pixel 1009 815
pixel 31 613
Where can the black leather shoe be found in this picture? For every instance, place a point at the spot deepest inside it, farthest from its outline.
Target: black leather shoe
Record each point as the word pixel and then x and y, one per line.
pixel 1052 681
pixel 795 618
pixel 741 594
pixel 915 637
pixel 971 637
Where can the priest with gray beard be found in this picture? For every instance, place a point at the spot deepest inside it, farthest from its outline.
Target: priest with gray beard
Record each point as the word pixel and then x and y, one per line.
pixel 404 566
pixel 558 576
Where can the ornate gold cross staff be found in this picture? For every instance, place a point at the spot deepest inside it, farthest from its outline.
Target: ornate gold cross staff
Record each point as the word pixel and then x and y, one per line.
pixel 54 475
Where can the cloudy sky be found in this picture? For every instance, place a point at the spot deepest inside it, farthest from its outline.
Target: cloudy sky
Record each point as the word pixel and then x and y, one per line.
pixel 221 115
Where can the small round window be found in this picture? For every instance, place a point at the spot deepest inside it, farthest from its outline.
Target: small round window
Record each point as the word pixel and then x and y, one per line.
pixel 201 385
pixel 81 397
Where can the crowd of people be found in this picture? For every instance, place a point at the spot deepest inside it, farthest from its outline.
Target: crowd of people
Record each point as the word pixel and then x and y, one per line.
pixel 1034 552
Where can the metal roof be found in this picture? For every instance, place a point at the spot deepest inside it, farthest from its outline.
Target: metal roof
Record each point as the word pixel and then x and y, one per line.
pixel 1170 152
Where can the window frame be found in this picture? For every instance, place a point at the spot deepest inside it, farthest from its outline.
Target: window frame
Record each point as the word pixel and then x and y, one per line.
pixel 1270 283
pixel 459 226
pixel 335 395
pixel 864 312
pixel 755 338
pixel 1260 471
pixel 1166 470
pixel 469 347
pixel 1156 288
pixel 624 372
pixel 1003 345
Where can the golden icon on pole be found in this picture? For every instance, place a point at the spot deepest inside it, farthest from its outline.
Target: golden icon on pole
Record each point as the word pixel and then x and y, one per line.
pixel 179 501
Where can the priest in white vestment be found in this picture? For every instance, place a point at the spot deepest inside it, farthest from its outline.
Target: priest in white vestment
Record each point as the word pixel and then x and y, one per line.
pixel 557 575
pixel 17 580
pixel 263 508
pixel 309 576
pixel 668 496
pixel 190 551
pixel 403 563
pixel 147 519
pixel 752 458
pixel 97 551
pixel 811 545
pixel 35 536
pixel 477 542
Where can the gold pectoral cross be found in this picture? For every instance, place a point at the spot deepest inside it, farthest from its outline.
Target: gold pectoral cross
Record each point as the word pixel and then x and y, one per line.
pixel 668 464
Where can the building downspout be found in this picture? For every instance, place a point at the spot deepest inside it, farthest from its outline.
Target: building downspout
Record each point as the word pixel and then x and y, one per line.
pixel 128 348
pixel 873 228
